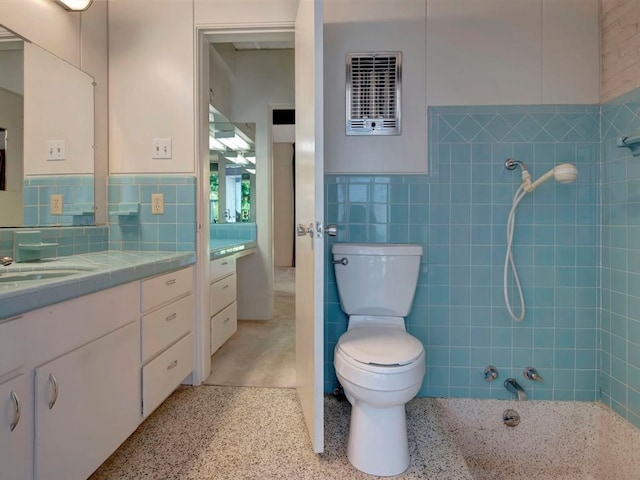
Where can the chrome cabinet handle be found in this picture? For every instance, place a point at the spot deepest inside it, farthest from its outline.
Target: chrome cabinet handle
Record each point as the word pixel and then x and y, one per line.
pixel 170 282
pixel 171 317
pixel 225 287
pixel 54 383
pixel 172 365
pixel 17 410
pixel 226 320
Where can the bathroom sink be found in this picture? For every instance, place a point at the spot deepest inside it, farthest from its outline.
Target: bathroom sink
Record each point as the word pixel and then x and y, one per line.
pixel 35 275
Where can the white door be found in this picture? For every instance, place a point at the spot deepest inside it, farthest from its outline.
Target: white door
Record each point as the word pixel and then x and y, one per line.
pixel 309 210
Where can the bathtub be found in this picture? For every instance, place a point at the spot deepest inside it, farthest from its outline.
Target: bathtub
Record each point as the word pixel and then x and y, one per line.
pixel 554 440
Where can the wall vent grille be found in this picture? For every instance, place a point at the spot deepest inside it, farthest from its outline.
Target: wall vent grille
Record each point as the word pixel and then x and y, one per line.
pixel 374 82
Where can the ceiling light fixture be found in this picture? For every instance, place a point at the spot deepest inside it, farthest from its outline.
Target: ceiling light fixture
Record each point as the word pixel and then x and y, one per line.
pixel 75 5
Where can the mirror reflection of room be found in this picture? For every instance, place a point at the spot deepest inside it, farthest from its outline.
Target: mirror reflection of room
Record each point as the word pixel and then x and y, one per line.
pixel 48 135
pixel 232 172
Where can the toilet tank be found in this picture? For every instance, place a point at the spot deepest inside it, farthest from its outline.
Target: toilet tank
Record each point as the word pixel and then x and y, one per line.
pixel 377 279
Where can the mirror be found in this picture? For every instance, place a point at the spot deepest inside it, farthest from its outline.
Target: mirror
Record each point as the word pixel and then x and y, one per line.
pixel 232 162
pixel 47 129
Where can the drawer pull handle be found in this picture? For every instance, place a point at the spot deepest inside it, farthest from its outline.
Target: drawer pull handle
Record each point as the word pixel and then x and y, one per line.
pixel 54 384
pixel 170 282
pixel 172 365
pixel 224 263
pixel 17 410
pixel 226 320
pixel 225 287
pixel 171 317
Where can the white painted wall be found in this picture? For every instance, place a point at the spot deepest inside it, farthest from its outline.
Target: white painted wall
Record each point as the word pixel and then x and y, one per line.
pixel 369 26
pixel 620 47
pixel 49 114
pixel 11 71
pixel 151 85
pixel 263 79
pixel 243 12
pixel 506 52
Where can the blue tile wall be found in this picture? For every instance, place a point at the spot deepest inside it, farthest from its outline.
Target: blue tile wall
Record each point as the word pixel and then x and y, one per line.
pixel 174 231
pixel 621 259
pixel 458 213
pixel 70 240
pixel 78 200
pixel 235 231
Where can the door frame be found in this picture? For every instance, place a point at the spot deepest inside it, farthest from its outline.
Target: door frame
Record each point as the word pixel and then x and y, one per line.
pixel 202 359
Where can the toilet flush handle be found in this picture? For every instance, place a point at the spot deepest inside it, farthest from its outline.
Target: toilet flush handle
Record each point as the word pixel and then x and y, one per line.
pixel 342 261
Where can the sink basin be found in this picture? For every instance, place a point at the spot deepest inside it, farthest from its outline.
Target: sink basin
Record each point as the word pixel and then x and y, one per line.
pixel 35 275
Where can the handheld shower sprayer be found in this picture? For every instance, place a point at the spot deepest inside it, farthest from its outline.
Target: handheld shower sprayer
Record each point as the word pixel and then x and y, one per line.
pixel 563 173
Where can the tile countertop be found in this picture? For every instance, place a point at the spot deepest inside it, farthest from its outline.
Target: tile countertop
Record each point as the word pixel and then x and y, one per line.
pixel 222 248
pixel 103 270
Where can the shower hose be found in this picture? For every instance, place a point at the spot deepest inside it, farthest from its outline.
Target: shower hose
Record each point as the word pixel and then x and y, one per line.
pixel 508 259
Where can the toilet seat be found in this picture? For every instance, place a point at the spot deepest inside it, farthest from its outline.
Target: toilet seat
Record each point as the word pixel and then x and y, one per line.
pixel 378 345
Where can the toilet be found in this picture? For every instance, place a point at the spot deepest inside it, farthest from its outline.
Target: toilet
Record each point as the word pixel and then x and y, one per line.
pixel 379 365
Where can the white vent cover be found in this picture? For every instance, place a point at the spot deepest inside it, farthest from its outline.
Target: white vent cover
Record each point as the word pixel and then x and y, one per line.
pixel 373 93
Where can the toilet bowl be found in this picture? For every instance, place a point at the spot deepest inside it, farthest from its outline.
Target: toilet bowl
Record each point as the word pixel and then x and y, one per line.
pixel 379 365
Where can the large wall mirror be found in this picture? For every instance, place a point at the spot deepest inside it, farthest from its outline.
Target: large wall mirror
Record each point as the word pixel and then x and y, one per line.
pixel 46 138
pixel 232 162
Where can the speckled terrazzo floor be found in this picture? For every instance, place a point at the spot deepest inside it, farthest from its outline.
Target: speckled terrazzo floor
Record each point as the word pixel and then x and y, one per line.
pixel 211 432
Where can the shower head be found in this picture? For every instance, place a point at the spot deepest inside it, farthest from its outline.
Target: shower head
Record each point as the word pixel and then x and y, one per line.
pixel 563 173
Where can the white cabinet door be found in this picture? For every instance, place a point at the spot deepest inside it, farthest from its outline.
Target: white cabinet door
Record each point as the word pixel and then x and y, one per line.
pixel 86 403
pixel 14 446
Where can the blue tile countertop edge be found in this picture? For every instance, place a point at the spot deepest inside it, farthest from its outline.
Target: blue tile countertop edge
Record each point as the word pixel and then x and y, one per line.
pixel 103 270
pixel 223 248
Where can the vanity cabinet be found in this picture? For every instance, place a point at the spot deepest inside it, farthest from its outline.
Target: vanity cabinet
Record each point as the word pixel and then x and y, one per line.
pixel 166 338
pixel 14 441
pixel 223 308
pixel 86 403
pixel 14 403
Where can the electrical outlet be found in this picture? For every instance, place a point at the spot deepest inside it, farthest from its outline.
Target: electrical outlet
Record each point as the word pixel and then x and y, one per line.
pixel 157 203
pixel 56 150
pixel 161 148
pixel 55 205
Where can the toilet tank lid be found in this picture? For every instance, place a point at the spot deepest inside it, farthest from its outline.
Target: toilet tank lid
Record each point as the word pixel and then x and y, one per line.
pixel 376 249
pixel 380 345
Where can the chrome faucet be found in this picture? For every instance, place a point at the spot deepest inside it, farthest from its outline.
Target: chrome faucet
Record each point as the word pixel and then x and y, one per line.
pixel 514 387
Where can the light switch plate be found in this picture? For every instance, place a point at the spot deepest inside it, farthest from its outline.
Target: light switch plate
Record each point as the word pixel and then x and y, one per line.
pixel 161 148
pixel 56 150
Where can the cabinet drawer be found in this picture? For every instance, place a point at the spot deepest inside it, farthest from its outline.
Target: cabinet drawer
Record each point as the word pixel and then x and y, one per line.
pixel 221 267
pixel 161 289
pixel 163 374
pixel 166 325
pixel 223 292
pixel 12 345
pixel 223 325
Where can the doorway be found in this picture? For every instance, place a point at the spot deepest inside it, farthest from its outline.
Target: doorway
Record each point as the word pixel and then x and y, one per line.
pixel 262 351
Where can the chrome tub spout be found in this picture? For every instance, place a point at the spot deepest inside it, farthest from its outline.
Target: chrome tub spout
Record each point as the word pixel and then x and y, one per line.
pixel 514 387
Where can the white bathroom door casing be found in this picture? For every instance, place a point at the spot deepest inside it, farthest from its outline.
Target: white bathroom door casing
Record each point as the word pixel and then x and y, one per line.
pixel 309 211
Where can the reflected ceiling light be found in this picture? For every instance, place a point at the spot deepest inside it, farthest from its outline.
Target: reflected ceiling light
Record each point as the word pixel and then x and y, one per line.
pixel 251 170
pixel 75 5
pixel 216 145
pixel 251 159
pixel 232 141
pixel 238 159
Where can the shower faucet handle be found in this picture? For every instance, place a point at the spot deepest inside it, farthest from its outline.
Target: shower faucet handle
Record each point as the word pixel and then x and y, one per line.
pixel 490 373
pixel 532 374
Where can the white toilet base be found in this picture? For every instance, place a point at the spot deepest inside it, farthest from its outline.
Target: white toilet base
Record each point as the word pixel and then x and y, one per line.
pixel 378 439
